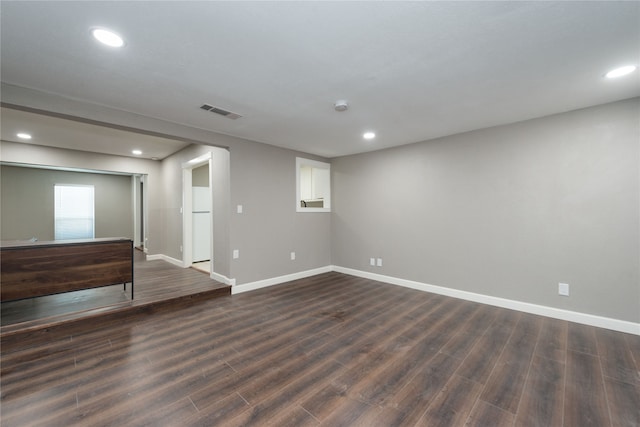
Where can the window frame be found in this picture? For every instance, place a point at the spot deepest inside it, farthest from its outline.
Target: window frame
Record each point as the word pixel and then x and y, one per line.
pixel 300 161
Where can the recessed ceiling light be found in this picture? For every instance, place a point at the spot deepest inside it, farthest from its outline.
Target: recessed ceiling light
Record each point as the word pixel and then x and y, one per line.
pixel 369 135
pixel 23 135
pixel 622 71
pixel 107 37
pixel 136 152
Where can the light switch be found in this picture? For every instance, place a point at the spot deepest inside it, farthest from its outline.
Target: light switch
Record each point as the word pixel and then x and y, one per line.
pixel 239 209
pixel 236 254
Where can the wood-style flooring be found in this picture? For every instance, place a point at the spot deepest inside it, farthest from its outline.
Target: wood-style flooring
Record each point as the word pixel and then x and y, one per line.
pixel 330 350
pixel 155 282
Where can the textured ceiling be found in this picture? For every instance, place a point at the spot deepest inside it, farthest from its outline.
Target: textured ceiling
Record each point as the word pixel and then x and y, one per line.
pixel 411 71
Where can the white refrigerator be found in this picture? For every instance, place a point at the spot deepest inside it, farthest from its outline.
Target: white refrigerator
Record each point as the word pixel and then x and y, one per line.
pixel 201 224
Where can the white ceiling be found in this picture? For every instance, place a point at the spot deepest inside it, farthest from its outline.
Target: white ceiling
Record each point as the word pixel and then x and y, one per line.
pixel 411 71
pixel 77 135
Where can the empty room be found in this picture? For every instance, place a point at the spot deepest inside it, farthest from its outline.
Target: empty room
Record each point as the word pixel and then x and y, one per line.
pixel 220 213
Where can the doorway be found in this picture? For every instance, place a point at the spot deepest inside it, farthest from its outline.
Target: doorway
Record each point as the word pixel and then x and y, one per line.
pixel 197 214
pixel 201 219
pixel 139 212
pixel 142 221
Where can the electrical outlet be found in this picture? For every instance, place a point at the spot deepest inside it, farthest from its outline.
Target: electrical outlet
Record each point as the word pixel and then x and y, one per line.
pixel 236 253
pixel 372 262
pixel 563 289
pixel 180 248
pixel 293 256
pixel 379 262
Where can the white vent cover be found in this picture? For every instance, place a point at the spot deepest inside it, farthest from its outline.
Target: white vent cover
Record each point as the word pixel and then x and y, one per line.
pixel 220 111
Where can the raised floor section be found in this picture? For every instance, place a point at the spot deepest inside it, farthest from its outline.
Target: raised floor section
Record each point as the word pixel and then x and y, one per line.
pixel 158 284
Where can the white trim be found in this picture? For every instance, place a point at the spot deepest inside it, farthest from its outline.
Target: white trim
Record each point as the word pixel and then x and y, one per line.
pixel 556 313
pixel 140 214
pixel 167 258
pixel 187 220
pixel 222 279
pixel 252 286
pixel 187 206
pixel 213 275
pixel 135 195
pixel 541 310
pixel 198 161
pixel 145 212
pixel 300 161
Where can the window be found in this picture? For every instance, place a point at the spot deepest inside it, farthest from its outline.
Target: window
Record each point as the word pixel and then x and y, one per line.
pixel 313 186
pixel 74 212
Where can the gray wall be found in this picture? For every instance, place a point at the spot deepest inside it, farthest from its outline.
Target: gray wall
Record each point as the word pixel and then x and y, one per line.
pixel 261 177
pixel 220 202
pixel 172 190
pixel 508 211
pixel 263 181
pixel 56 157
pixel 27 201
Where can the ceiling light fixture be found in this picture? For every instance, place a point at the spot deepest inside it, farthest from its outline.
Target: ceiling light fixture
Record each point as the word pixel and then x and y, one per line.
pixel 136 152
pixel 622 71
pixel 369 135
pixel 107 37
pixel 23 135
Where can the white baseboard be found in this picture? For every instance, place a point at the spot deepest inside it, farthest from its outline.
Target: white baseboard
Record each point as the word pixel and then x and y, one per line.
pixel 215 276
pixel 167 258
pixel 222 279
pixel 252 286
pixel 556 313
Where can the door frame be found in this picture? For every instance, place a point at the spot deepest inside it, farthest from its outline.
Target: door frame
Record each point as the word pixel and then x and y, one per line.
pixel 187 208
pixel 140 211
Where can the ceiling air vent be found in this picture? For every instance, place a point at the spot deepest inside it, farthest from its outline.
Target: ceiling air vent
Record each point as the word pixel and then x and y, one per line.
pixel 220 111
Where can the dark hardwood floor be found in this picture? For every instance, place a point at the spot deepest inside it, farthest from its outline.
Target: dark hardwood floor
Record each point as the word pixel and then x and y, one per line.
pixel 330 350
pixel 155 282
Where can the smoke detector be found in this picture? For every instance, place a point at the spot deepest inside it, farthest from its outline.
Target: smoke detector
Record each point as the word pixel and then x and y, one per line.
pixel 341 105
